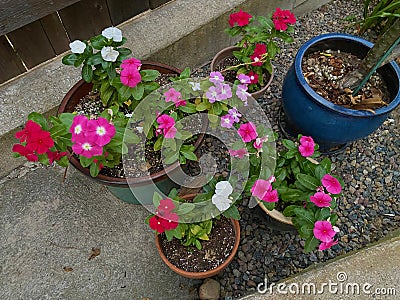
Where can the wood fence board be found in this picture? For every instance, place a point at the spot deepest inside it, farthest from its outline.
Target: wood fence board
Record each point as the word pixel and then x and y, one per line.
pixel 32 44
pixel 10 64
pixel 55 32
pixel 121 11
pixel 17 13
pixel 85 19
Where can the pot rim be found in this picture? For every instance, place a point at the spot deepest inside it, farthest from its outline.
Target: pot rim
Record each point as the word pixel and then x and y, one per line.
pixel 340 109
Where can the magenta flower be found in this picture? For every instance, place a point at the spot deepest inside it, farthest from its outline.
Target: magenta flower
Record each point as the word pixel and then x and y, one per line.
pixel 258 143
pixel 100 131
pixel 130 77
pixel 41 142
pixel 259 51
pixel 242 93
pixel 216 77
pixel 240 153
pixel 253 77
pixel 281 18
pixel 170 133
pixel 321 199
pixel 223 92
pixel 243 78
pixel 260 188
pixel 166 205
pixel 78 128
pixel 271 196
pixel 31 128
pixel 307 146
pixel 227 121
pixel 212 94
pixel 331 184
pixel 248 132
pixel 327 245
pixel 235 114
pixel 131 63
pixel 172 95
pixel 165 122
pixel 323 231
pixel 22 150
pixel 87 149
pixel 242 18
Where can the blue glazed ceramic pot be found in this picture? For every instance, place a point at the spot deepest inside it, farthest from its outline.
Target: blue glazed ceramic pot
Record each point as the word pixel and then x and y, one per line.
pixel 329 124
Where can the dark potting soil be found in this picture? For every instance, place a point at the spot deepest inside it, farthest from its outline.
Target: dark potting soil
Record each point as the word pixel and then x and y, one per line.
pixel 213 253
pixel 324 70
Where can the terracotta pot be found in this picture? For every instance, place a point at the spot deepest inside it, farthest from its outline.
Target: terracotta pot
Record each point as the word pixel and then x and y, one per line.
pixel 120 187
pixel 206 274
pixel 228 52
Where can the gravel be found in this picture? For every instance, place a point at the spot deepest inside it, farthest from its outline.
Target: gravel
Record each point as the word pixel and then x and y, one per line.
pixel 369 209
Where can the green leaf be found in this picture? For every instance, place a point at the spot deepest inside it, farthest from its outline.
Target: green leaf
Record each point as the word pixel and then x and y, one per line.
pixel 149 75
pixel 189 108
pixel 98 42
pixel 189 155
pixel 94 170
pixel 87 73
pixel 197 244
pixel 85 161
pixel 169 234
pixel 289 210
pixel 95 59
pixel 67 118
pixel 38 118
pixel 156 199
pixel 69 59
pixel 202 106
pixel 268 205
pixel 185 208
pixel 308 181
pixel 311 243
pixel 137 92
pixel 289 144
pixel 304 215
pixel 232 212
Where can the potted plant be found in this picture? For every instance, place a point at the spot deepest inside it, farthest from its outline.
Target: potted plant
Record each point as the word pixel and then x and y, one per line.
pixel 301 194
pixel 249 62
pixel 197 235
pixel 132 111
pixel 353 107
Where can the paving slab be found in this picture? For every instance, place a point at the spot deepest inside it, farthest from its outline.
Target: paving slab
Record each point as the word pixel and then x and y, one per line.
pixel 48 229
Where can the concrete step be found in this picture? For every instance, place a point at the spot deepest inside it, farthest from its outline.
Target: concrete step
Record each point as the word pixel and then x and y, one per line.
pixel 181 33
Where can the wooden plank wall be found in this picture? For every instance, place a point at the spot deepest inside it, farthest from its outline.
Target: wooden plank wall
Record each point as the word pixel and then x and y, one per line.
pixel 32 32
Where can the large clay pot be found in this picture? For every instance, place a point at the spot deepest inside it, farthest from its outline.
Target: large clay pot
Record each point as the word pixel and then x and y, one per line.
pixel 228 52
pixel 120 187
pixel 332 125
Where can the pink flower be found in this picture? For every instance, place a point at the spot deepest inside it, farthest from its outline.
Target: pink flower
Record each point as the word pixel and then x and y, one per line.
pixel 331 184
pixel 248 132
pixel 130 77
pixel 30 129
pixel 227 121
pixel 259 51
pixel 169 220
pixel 240 153
pixel 253 77
pixel 281 18
pixel 78 127
pixel 40 142
pixel 323 231
pixel 242 18
pixel 170 132
pixel 166 205
pixel 258 143
pixel 100 131
pixel 212 94
pixel 260 188
pixel 235 114
pixel 321 199
pixel 327 245
pixel 131 63
pixel 243 78
pixel 242 93
pixel 172 95
pixel 87 149
pixel 271 196
pixel 224 91
pixel 216 77
pixel 21 150
pixel 307 146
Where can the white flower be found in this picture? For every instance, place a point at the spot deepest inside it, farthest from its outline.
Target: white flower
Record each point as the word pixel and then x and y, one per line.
pixel 77 46
pixel 140 129
pixel 129 115
pixel 223 188
pixel 112 33
pixel 221 202
pixel 109 54
pixel 195 86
